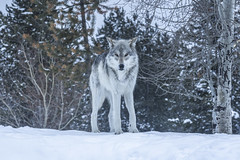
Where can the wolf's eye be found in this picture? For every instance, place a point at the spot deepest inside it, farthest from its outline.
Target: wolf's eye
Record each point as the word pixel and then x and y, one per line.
pixel 126 54
pixel 116 55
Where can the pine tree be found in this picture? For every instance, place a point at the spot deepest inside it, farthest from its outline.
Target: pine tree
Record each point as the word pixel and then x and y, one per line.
pixel 152 46
pixel 42 89
pixel 202 35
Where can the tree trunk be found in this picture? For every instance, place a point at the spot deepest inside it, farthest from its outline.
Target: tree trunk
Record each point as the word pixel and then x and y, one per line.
pixel 222 112
pixel 84 26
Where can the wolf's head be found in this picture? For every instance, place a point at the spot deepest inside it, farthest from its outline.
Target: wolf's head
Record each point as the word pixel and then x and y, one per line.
pixel 122 54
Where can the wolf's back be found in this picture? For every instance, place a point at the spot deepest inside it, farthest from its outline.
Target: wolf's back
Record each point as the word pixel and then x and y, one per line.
pixel 100 58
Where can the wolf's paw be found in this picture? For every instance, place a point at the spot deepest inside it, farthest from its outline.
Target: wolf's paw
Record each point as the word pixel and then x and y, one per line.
pixel 118 132
pixel 133 130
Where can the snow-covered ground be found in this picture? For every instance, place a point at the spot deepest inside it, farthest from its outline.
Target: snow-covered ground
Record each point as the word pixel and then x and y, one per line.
pixel 45 144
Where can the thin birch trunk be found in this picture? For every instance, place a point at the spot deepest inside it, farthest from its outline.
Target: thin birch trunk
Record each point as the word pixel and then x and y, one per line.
pixel 222 112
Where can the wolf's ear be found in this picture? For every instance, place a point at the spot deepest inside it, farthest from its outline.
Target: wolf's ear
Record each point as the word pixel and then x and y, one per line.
pixel 111 42
pixel 132 42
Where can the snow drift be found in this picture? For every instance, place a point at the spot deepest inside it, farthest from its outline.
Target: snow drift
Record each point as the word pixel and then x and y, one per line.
pixel 38 144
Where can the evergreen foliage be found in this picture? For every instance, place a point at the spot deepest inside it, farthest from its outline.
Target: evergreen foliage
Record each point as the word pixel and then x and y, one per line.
pixel 47 47
pixel 202 36
pixel 159 99
pixel 46 59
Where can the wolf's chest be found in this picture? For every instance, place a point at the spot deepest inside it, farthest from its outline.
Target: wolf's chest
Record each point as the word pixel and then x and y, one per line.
pixel 114 80
pixel 121 76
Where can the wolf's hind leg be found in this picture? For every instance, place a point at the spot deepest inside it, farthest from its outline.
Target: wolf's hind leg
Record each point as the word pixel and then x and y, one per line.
pixel 97 101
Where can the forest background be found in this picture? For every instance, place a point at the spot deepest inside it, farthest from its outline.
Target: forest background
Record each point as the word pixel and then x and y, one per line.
pixel 48 46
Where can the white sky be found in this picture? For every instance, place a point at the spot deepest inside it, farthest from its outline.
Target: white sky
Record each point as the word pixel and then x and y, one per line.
pixel 3 5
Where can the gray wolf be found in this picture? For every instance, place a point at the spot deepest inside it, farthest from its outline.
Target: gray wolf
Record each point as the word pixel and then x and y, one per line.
pixel 114 75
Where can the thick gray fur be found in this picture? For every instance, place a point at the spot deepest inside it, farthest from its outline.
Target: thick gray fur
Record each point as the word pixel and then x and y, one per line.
pixel 114 75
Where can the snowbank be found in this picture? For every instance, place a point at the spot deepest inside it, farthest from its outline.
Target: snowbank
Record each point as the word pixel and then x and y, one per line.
pixel 45 144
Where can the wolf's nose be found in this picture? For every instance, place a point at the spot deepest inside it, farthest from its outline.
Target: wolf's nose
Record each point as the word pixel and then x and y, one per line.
pixel 121 67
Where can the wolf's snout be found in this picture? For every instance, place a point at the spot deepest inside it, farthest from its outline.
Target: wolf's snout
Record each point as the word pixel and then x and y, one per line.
pixel 121 67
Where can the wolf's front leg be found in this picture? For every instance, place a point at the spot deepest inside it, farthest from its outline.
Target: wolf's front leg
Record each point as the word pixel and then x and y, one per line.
pixel 128 97
pixel 116 100
pixel 94 119
pixel 97 101
pixel 110 119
